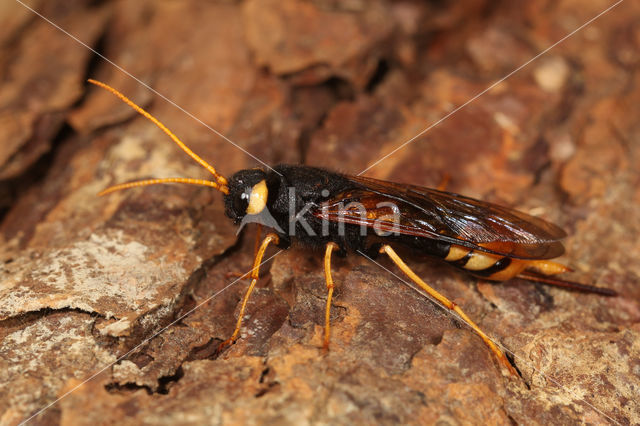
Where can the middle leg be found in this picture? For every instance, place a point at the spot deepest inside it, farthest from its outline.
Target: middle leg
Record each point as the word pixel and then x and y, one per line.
pixel 329 280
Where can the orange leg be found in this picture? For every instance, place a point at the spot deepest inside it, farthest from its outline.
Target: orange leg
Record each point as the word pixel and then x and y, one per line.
pixel 450 305
pixel 329 280
pixel 256 247
pixel 254 279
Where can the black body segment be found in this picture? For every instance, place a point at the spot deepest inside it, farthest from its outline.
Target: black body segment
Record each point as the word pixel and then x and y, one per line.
pixel 294 194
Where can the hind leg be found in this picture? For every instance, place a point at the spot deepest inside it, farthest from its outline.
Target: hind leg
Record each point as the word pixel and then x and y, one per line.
pixel 450 305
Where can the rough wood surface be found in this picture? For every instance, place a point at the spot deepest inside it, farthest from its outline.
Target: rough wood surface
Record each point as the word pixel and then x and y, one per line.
pixel 91 288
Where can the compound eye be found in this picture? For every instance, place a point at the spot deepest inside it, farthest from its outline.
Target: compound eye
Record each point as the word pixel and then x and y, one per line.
pixel 240 204
pixel 257 197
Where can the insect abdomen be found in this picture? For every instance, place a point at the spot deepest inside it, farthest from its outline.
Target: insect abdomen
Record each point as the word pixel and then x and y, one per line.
pixel 485 265
pixel 495 267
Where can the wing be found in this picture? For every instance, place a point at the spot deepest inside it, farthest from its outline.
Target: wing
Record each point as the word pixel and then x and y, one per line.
pixel 429 213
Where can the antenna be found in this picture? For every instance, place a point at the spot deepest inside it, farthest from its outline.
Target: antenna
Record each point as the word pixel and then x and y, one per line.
pixel 221 183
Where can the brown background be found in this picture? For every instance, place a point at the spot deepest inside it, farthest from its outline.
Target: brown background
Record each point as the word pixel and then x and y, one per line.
pixel 337 84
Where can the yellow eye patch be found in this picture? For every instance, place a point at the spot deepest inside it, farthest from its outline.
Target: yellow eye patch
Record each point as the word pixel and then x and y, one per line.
pixel 258 197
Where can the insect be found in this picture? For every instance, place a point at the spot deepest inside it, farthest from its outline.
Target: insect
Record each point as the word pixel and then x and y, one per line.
pixel 342 213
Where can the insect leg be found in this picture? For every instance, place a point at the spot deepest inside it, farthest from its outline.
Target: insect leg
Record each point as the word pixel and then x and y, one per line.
pixel 329 280
pixel 449 304
pixel 254 279
pixel 256 245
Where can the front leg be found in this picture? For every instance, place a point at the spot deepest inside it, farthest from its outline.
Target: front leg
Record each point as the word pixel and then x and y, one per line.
pixel 254 279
